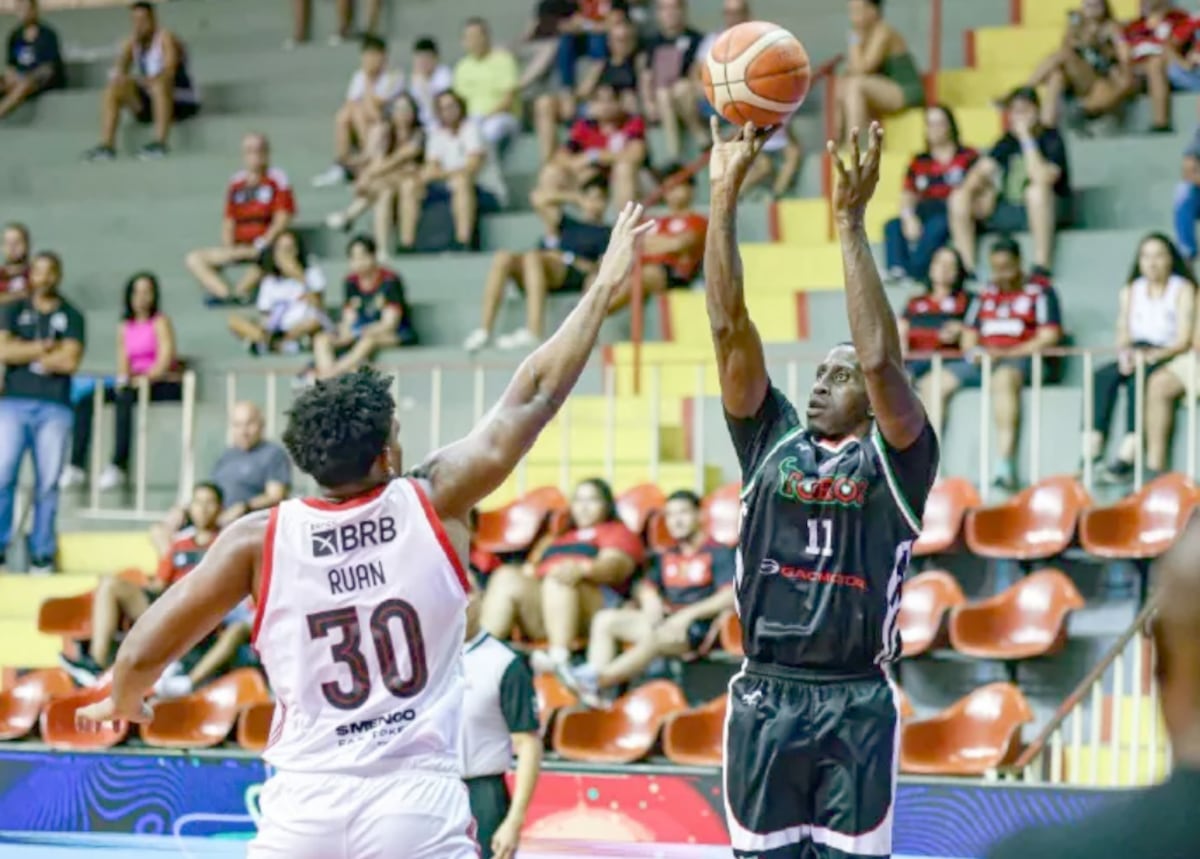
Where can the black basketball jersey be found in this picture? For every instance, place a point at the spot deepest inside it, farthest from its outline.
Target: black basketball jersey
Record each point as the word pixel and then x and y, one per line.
pixel 825 538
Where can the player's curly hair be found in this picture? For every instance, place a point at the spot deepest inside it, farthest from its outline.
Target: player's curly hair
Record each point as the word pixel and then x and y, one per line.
pixel 337 428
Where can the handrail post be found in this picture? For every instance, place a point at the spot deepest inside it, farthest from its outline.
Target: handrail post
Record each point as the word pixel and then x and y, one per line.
pixel 187 436
pixel 655 420
pixel 637 323
pixel 793 382
pixel 1035 419
pixel 1089 418
pixel 435 407
pixel 97 456
pixel 564 441
pixel 1139 417
pixel 698 432
pixel 143 435
pixel 230 394
pixel 610 424
pixel 271 407
pixel 937 406
pixel 480 395
pixel 985 425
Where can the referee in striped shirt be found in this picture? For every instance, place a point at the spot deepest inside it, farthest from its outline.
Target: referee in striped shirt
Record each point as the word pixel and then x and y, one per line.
pixel 499 717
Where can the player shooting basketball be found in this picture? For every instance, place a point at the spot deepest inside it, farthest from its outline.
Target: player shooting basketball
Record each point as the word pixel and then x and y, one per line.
pixel 830 509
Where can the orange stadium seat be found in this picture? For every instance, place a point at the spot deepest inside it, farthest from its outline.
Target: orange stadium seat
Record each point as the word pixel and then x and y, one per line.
pixel 637 504
pixel 694 736
pixel 57 722
pixel 731 634
pixel 515 526
pixel 254 726
pixel 205 718
pixel 977 733
pixel 1035 525
pixel 658 538
pixel 623 734
pixel 71 617
pixel 21 704
pixel 903 704
pixel 945 510
pixel 552 696
pixel 923 606
pixel 722 509
pixel 1142 525
pixel 1028 619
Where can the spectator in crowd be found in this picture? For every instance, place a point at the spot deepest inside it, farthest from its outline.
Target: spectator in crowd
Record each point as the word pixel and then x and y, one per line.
pixel 152 81
pixel 252 474
pixel 373 90
pixel 933 320
pixel 374 315
pixel 881 76
pixel 302 21
pixel 924 223
pixel 428 77
pixel 41 345
pixel 259 206
pixel 777 165
pixel 33 61
pixel 557 592
pixel 566 261
pixel 289 300
pixel 1091 65
pixel 668 62
pixel 733 12
pixel 584 34
pixel 539 46
pixel 487 79
pixel 611 143
pixel 1023 183
pixel 1161 46
pixel 145 350
pixel 396 155
pixel 685 590
pixel 1187 200
pixel 481 562
pixel 14 262
pixel 1012 319
pixel 460 169
pixel 1155 316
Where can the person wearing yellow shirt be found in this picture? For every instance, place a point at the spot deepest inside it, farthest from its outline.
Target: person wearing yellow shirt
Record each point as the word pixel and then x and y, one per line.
pixel 487 78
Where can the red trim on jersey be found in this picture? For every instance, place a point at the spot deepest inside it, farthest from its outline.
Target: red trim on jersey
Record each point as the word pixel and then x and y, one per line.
pixel 346 503
pixel 439 531
pixel 264 579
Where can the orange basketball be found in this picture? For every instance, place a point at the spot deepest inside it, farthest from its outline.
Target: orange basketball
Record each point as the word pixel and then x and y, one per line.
pixel 756 72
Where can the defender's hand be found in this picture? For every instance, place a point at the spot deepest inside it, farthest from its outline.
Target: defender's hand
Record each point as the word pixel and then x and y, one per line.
pixel 730 160
pixel 617 263
pixel 856 183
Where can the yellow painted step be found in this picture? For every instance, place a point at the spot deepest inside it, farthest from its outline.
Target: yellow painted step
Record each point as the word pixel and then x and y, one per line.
pixel 803 221
pixel 662 352
pixel 1077 768
pixel 22 646
pixel 978 88
pixel 1149 715
pixel 773 313
pixel 671 476
pixel 595 409
pixel 1016 47
pixel 590 442
pixel 977 126
pixel 105 551
pixel 790 268
pixel 1045 13
pixel 20 595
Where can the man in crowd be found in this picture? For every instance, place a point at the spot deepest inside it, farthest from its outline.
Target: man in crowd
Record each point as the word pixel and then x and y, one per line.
pixel 33 61
pixel 1187 200
pixel 487 79
pixel 41 345
pixel 669 60
pixel 259 205
pixel 14 262
pixel 428 77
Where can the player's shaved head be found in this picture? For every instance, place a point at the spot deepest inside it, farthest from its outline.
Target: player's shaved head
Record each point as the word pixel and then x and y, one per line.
pixel 1177 641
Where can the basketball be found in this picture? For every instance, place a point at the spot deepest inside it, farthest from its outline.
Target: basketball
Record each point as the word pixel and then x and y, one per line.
pixel 756 72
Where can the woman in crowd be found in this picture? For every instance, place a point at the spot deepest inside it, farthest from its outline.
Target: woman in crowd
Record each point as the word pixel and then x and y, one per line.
pixel 881 76
pixel 288 303
pixel 932 322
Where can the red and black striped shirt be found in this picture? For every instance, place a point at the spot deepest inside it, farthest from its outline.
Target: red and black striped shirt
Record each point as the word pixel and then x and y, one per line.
pixel 1006 319
pixel 931 179
pixel 926 314
pixel 1147 37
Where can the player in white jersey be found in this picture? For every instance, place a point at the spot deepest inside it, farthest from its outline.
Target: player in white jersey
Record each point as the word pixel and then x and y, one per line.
pixel 360 598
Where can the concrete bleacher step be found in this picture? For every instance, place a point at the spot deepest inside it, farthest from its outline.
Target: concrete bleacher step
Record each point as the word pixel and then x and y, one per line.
pixel 105 552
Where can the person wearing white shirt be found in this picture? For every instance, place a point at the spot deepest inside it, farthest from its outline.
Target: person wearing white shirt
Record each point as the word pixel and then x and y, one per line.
pixel 369 98
pixel 429 76
pixel 288 302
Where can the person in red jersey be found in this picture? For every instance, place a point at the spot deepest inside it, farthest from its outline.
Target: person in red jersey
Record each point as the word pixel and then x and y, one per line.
pixel 1161 45
pixel 361 596
pixel 14 262
pixel 932 321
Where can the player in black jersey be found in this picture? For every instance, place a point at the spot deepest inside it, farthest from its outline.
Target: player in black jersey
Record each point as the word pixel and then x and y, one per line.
pixel 830 509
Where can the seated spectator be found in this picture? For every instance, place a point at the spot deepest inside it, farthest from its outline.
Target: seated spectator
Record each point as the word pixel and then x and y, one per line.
pixel 428 77
pixel 397 153
pixel 1161 45
pixel 667 62
pixel 374 315
pixel 1187 200
pixel 539 45
pixel 611 143
pixel 733 12
pixel 14 262
pixel 776 166
pixel 145 350
pixel 618 70
pixel 557 592
pixel 302 21
pixel 924 223
pixel 933 320
pixel 289 300
pixel 881 76
pixel 460 169
pixel 1023 183
pixel 259 206
pixel 33 61
pixel 1163 392
pixel 1012 319
pixel 1155 316
pixel 252 474
pixel 1092 65
pixel 686 589
pixel 369 99
pixel 41 344
pixel 151 80
pixel 585 34
pixel 487 79
pixel 566 261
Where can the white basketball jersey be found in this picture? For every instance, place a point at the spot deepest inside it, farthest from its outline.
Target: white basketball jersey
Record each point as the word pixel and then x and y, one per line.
pixel 360 629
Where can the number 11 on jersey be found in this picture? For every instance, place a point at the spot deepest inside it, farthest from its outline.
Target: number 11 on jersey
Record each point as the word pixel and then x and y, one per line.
pixel 820 538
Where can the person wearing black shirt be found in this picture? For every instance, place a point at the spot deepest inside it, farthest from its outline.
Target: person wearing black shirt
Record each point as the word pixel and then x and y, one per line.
pixel 1024 183
pixel 41 345
pixel 33 60
pixel 1160 822
pixel 830 510
pixel 667 63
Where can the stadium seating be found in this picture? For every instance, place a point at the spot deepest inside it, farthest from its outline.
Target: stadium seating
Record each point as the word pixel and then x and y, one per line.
pixel 945 510
pixel 515 526
pixel 722 511
pixel 1028 619
pixel 638 504
pixel 71 617
pixel 977 733
pixel 1142 525
pixel 552 696
pixel 694 736
pixel 206 717
pixel 1035 525
pixel 21 705
pixel 625 733
pixel 254 726
pixel 57 722
pixel 924 604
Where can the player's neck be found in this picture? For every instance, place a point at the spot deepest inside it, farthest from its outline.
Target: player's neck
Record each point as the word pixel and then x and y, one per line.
pixel 350 491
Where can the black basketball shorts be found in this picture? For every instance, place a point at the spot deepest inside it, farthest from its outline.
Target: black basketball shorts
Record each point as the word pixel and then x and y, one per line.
pixel 810 765
pixel 489 806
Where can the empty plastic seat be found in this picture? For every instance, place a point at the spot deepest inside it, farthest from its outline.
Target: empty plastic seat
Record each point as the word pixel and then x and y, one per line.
pixel 1142 525
pixel 57 722
pixel 552 696
pixel 21 704
pixel 923 606
pixel 731 634
pixel 254 726
pixel 71 617
pixel 722 510
pixel 1034 525
pixel 206 717
pixel 620 735
pixel 1029 619
pixel 694 736
pixel 977 733
pixel 514 527
pixel 637 504
pixel 945 510
pixel 658 538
